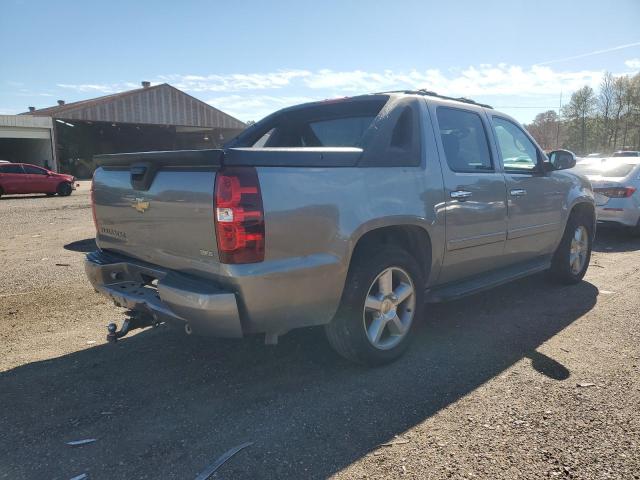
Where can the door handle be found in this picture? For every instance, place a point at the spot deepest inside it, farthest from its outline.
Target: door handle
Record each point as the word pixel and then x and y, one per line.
pixel 518 192
pixel 460 195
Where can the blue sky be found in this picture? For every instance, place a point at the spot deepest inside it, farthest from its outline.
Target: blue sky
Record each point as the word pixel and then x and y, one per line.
pixel 249 57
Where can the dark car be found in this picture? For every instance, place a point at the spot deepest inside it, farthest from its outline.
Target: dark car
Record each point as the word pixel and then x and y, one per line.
pixel 25 178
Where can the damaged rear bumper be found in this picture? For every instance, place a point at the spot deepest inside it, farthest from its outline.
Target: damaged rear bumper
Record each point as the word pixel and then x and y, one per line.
pixel 196 305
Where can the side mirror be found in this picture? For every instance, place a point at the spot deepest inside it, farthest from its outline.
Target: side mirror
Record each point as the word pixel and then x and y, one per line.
pixel 562 159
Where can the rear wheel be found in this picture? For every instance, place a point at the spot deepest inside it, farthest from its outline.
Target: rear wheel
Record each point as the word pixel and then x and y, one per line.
pixel 383 297
pixel 571 260
pixel 64 189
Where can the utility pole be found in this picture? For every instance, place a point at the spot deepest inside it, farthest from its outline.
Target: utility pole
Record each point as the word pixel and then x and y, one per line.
pixel 559 119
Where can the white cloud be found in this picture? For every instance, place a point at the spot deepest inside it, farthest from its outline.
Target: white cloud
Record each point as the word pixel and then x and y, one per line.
pixel 105 88
pixel 255 107
pixel 633 63
pixel 484 79
pixel 251 96
pixel 9 111
pixel 234 82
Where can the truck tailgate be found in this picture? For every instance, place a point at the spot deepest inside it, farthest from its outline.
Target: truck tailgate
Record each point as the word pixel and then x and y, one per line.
pixel 166 219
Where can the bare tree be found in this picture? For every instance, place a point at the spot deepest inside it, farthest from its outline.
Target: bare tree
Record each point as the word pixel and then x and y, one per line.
pixel 578 111
pixel 605 107
pixel 544 129
pixel 620 86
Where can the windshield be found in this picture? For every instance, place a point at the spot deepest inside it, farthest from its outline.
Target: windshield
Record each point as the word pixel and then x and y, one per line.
pixel 626 154
pixel 608 169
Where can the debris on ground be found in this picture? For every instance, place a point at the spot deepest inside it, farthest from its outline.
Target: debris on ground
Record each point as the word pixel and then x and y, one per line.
pixel 85 441
pixel 211 469
pixel 397 441
pixel 63 264
pixel 586 384
pixel 82 476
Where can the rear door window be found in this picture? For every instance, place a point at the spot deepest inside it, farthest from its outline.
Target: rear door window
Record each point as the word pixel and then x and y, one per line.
pixel 464 140
pixel 11 169
pixel 34 170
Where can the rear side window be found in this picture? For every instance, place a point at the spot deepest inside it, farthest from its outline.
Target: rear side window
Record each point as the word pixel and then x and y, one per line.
pixel 327 124
pixel 464 140
pixel 605 169
pixel 34 170
pixel 11 169
pixel 340 132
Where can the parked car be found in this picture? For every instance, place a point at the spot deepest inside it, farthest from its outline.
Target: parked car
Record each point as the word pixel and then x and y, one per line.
pixel 25 178
pixel 626 153
pixel 616 184
pixel 348 213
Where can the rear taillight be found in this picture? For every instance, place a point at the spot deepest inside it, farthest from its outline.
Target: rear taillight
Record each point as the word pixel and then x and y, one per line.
pixel 93 206
pixel 239 216
pixel 616 192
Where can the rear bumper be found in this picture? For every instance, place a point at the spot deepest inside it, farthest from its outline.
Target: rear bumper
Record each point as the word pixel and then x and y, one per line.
pixel 167 296
pixel 620 211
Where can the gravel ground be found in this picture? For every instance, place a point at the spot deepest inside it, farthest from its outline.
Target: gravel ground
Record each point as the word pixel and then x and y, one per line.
pixel 528 380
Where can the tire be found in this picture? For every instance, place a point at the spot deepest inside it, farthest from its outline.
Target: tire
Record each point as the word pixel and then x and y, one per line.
pixel 352 332
pixel 64 189
pixel 571 259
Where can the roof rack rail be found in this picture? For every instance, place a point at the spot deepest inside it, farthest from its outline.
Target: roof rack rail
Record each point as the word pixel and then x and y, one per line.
pixel 429 93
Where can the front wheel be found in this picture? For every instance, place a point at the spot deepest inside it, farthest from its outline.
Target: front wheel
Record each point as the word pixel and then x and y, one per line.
pixel 64 189
pixel 571 260
pixel 382 299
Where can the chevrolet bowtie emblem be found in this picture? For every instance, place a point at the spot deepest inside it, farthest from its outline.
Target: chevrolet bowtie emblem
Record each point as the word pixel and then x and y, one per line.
pixel 140 205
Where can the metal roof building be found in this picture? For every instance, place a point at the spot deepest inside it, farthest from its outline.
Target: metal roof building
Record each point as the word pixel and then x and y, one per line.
pixel 158 105
pixel 158 117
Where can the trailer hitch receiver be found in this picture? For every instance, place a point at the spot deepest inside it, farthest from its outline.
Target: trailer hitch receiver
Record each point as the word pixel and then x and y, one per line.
pixel 134 321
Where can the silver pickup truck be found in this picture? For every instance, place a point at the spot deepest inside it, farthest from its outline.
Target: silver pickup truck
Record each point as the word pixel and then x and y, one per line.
pixel 350 213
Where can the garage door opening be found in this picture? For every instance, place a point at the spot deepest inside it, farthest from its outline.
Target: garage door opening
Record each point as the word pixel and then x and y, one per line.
pixel 36 151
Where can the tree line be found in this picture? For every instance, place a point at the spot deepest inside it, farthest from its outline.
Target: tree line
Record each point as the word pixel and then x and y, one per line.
pixel 601 121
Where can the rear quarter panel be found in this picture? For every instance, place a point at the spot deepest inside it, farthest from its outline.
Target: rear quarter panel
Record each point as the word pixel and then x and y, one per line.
pixel 314 218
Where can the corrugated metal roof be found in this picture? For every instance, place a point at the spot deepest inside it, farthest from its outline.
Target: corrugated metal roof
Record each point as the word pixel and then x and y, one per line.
pixel 158 105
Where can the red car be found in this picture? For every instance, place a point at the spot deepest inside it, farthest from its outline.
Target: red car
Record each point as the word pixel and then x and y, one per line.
pixel 25 178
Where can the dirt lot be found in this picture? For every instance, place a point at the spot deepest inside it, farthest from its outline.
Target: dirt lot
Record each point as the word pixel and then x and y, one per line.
pixel 491 388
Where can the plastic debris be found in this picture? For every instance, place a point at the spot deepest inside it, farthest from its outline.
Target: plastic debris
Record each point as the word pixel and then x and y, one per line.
pixel 586 384
pixel 397 441
pixel 211 469
pixel 76 443
pixel 82 476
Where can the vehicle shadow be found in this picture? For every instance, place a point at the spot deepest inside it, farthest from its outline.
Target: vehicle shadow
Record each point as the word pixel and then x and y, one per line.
pixel 615 239
pixel 19 197
pixel 164 405
pixel 83 246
